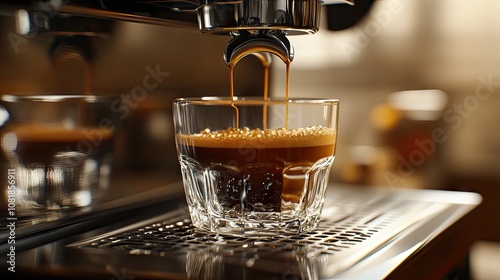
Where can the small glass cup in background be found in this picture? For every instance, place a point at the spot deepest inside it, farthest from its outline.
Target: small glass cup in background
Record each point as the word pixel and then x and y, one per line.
pixel 56 153
pixel 253 166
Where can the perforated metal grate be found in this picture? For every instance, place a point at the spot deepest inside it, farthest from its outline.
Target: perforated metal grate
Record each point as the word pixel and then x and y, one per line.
pixel 351 229
pixel 180 235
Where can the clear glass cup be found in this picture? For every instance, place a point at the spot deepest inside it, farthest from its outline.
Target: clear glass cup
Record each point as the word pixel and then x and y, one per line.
pixel 56 153
pixel 253 166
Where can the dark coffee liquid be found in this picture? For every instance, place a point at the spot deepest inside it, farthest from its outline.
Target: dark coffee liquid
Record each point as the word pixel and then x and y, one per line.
pixel 258 174
pixel 35 143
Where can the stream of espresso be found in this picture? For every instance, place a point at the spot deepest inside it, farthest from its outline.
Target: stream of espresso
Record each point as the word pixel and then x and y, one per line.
pixel 88 86
pixel 256 51
pixel 266 63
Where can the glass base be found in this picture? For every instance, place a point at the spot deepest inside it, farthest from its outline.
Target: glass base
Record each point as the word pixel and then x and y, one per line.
pixel 261 226
pixel 235 214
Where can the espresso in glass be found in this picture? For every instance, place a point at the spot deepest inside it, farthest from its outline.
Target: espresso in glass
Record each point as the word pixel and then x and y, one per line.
pixel 255 178
pixel 255 166
pixel 259 170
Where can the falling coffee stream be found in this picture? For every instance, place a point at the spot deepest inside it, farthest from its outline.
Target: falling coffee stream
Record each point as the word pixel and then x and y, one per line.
pixel 64 52
pixel 89 79
pixel 257 51
pixel 266 63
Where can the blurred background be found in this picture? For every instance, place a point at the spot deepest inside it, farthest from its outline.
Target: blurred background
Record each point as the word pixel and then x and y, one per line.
pixel 418 81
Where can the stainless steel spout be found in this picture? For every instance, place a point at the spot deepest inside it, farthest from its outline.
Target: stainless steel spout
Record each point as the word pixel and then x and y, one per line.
pixel 244 44
pixel 260 25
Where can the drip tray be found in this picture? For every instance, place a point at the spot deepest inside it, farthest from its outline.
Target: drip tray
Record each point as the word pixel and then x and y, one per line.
pixel 358 233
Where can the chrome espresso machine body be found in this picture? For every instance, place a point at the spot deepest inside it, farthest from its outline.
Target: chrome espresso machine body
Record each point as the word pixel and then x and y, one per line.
pixel 249 22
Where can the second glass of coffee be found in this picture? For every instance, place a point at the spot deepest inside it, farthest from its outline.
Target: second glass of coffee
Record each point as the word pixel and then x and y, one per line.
pixel 56 152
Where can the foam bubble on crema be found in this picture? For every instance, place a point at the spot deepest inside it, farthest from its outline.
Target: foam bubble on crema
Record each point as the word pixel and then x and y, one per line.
pixel 266 138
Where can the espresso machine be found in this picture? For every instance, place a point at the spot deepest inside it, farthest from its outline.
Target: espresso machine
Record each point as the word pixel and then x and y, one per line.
pixel 365 233
pixel 248 23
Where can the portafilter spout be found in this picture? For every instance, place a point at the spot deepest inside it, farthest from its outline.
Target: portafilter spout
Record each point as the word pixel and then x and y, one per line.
pixel 245 43
pixel 260 25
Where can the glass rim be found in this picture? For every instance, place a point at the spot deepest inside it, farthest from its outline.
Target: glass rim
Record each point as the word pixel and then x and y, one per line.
pixel 55 98
pixel 254 100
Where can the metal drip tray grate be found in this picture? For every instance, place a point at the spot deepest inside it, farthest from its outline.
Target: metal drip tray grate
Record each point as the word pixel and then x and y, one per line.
pixel 352 228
